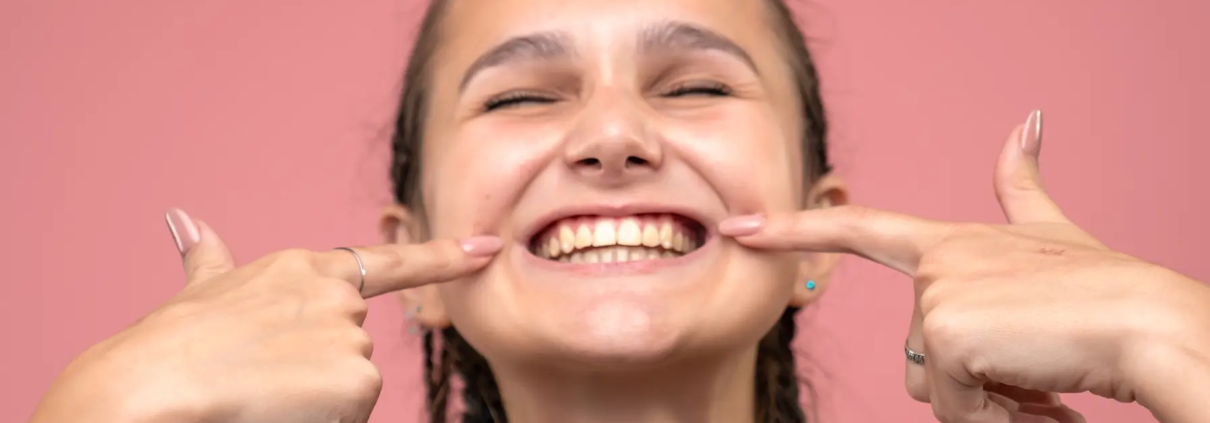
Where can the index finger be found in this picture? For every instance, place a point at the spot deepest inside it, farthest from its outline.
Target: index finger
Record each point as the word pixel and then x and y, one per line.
pixel 395 267
pixel 891 239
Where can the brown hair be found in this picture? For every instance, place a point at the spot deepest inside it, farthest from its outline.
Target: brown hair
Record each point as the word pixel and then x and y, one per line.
pixel 777 382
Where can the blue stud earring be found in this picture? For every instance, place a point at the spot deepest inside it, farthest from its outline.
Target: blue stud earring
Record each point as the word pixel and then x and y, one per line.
pixel 414 327
pixel 811 285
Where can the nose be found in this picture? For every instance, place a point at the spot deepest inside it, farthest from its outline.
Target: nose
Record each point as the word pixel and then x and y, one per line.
pixel 613 145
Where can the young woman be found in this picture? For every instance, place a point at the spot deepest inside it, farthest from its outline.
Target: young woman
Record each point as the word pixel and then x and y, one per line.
pixel 611 212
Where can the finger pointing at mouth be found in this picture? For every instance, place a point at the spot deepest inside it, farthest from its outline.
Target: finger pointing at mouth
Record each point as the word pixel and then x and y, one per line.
pixel 895 240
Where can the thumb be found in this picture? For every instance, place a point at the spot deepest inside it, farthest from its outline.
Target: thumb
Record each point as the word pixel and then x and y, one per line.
pixel 1018 182
pixel 203 253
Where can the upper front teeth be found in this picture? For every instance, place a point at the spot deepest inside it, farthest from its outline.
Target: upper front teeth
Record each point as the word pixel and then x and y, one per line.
pixel 583 237
pixel 605 234
pixel 661 233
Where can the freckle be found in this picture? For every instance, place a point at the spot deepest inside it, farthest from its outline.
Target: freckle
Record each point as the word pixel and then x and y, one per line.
pixel 1051 251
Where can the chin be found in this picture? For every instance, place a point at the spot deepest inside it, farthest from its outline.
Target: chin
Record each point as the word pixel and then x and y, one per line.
pixel 624 327
pixel 620 332
pixel 624 333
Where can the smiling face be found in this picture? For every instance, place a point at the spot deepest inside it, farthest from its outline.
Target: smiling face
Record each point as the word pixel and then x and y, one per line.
pixel 604 141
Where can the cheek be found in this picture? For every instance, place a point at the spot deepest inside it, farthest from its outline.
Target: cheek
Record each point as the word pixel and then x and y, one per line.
pixel 761 280
pixel 472 182
pixel 724 144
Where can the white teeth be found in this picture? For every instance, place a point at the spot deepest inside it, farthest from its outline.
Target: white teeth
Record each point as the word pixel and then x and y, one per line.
pixel 623 254
pixel 629 232
pixel 666 235
pixel 583 237
pixel 638 254
pixel 606 240
pixel 567 238
pixel 605 234
pixel 651 236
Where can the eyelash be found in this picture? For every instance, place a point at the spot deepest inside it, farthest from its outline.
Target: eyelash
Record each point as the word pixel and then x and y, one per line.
pixel 712 89
pixel 514 99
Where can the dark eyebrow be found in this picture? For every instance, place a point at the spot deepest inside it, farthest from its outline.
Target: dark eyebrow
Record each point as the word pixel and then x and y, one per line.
pixel 673 35
pixel 536 46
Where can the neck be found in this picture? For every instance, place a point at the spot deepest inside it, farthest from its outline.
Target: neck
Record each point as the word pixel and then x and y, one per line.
pixel 702 390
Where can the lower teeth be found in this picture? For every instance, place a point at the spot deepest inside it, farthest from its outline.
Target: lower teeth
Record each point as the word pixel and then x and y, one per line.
pixel 617 255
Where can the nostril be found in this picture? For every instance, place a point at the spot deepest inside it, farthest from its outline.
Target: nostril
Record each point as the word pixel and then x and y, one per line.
pixel 635 161
pixel 591 162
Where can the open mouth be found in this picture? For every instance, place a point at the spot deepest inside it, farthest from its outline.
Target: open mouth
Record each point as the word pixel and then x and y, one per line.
pixel 600 239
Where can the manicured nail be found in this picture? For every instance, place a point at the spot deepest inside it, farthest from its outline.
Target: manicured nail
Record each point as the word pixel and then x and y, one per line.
pixel 1031 136
pixel 184 231
pixel 742 225
pixel 481 245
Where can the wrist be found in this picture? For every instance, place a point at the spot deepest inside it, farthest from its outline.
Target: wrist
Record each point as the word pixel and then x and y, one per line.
pixel 1166 364
pixel 1173 385
pixel 94 389
pixel 99 404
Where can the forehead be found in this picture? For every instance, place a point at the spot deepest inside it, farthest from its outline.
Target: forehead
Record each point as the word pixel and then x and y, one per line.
pixel 471 27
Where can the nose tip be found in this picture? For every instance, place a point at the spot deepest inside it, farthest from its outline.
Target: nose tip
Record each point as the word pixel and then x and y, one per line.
pixel 613 141
pixel 615 158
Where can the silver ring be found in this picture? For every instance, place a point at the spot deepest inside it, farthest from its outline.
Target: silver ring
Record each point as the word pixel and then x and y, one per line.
pixel 360 265
pixel 913 356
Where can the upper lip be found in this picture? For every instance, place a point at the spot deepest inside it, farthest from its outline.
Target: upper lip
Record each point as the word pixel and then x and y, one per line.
pixel 615 210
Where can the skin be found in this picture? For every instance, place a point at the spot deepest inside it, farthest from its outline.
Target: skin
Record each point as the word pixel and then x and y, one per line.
pixel 1008 314
pixel 624 340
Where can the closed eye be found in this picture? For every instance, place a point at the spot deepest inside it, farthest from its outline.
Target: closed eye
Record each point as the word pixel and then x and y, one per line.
pixel 515 99
pixel 710 89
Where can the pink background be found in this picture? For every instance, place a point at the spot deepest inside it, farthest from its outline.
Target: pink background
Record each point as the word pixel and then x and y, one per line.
pixel 267 118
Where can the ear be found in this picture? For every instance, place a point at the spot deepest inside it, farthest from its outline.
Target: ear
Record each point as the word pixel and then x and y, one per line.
pixel 422 305
pixel 815 269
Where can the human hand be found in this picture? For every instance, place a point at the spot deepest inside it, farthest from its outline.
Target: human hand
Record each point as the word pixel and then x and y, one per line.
pixel 1007 315
pixel 278 340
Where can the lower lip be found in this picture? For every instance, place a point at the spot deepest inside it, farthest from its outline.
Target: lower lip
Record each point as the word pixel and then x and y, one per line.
pixel 616 268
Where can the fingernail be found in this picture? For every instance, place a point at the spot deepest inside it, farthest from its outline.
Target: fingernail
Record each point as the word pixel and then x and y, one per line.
pixel 184 231
pixel 1031 136
pixel 481 245
pixel 742 225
